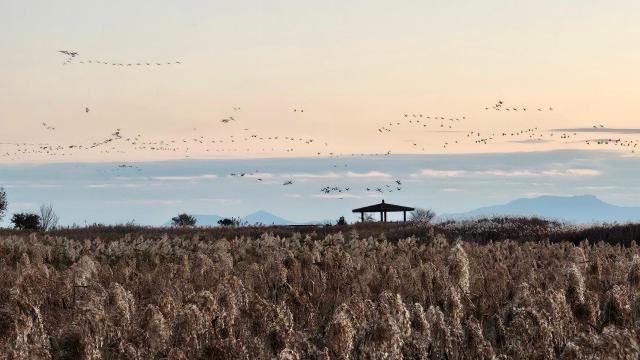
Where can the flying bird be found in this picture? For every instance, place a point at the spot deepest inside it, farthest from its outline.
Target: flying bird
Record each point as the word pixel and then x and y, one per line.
pixel 69 53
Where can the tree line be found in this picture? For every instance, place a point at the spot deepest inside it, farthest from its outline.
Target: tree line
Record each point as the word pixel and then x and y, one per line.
pixel 45 219
pixel 418 216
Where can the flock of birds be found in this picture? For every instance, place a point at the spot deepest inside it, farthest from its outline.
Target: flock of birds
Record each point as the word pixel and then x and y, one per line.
pixel 71 59
pixel 453 130
pixel 340 191
pixel 395 186
pixel 421 120
pixel 499 106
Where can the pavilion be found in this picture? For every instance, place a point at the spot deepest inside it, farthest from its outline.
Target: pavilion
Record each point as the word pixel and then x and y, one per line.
pixel 383 208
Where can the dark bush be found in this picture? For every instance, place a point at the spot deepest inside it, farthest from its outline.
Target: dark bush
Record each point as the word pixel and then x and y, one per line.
pixel 184 220
pixel 229 222
pixel 26 221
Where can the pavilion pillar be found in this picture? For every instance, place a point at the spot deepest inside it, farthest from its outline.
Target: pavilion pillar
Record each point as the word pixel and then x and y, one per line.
pixel 404 213
pixel 381 217
pixel 362 216
pixel 385 216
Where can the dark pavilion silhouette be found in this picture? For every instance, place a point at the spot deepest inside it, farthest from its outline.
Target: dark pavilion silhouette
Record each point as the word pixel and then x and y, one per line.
pixel 383 208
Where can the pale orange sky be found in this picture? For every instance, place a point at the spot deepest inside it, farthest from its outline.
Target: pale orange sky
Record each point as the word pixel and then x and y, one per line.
pixel 353 66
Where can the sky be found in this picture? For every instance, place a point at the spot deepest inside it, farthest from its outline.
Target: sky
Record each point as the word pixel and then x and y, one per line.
pixel 319 81
pixel 152 192
pixel 353 66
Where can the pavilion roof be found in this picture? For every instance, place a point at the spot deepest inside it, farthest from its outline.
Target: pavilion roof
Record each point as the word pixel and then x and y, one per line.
pixel 383 207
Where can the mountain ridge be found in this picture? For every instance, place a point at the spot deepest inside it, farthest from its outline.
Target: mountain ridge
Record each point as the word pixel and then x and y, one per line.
pixel 576 208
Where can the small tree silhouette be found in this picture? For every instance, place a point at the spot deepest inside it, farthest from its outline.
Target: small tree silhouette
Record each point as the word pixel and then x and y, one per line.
pixel 233 222
pixel 48 218
pixel 26 221
pixel 3 203
pixel 341 221
pixel 422 216
pixel 184 220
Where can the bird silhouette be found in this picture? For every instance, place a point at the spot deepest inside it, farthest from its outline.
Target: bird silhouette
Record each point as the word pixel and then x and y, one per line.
pixel 69 53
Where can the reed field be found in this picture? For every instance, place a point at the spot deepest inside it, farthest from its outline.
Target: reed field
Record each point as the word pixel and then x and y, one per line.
pixel 454 290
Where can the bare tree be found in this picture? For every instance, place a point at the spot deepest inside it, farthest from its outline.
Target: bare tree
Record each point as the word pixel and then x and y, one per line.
pixel 3 203
pixel 422 216
pixel 48 218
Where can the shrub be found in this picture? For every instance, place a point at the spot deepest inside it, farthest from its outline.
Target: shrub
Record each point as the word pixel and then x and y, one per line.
pixel 341 221
pixel 422 216
pixel 233 222
pixel 26 221
pixel 184 220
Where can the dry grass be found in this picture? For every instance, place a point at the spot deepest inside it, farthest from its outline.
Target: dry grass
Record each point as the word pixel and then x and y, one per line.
pixel 326 294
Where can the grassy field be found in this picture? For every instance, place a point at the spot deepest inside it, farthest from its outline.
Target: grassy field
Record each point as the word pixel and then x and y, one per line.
pixel 505 288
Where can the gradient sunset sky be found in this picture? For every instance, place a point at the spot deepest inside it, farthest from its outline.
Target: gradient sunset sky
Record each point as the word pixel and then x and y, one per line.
pixel 353 66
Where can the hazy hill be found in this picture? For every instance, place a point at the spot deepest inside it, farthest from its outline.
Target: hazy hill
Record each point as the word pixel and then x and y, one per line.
pixel 579 209
pixel 265 218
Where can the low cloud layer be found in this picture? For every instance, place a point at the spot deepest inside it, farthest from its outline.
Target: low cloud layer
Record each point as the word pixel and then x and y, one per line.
pixel 600 130
pixel 185 178
pixel 508 173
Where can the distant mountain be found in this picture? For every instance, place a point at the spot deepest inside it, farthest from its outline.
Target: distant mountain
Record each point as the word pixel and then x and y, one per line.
pixel 578 209
pixel 258 217
pixel 265 218
pixel 208 220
